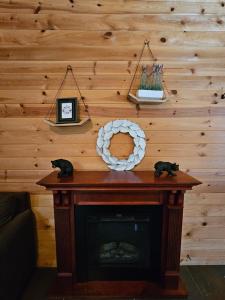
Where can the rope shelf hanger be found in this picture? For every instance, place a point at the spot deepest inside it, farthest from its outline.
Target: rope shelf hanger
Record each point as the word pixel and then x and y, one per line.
pixel 52 122
pixel 134 98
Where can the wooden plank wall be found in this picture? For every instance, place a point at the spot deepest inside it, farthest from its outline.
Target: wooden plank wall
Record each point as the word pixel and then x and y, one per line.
pixel 102 41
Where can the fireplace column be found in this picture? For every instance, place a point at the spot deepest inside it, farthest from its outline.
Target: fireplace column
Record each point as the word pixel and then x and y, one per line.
pixel 171 239
pixel 64 233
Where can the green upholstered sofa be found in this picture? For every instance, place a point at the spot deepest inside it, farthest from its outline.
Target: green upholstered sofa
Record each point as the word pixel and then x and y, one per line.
pixel 17 244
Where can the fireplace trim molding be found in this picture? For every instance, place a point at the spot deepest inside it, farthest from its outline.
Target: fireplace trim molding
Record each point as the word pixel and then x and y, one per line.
pixel 118 188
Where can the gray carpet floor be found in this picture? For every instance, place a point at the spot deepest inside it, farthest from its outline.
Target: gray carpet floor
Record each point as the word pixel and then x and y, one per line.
pixel 203 282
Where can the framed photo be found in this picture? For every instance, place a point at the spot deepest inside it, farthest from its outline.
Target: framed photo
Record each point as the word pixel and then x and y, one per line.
pixel 67 110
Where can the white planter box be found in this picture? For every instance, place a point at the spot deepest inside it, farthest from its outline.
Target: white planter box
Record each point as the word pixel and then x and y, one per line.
pixel 149 94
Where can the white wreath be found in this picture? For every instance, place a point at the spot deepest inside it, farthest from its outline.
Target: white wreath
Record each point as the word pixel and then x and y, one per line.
pixel 103 142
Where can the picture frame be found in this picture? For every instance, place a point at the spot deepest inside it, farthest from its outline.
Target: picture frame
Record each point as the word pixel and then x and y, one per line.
pixel 67 110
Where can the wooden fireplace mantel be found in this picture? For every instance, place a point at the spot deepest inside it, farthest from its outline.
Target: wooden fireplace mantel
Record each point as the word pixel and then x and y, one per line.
pixel 119 188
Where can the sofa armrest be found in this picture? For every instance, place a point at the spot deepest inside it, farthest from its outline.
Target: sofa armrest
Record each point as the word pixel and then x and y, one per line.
pixel 20 200
pixel 17 254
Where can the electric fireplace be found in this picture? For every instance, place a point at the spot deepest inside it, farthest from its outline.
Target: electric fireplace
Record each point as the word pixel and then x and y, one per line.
pixel 118 234
pixel 118 242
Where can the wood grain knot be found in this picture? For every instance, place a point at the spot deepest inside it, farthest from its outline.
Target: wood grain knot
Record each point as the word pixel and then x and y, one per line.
pixel 219 21
pixel 108 35
pixel 37 9
pixel 163 39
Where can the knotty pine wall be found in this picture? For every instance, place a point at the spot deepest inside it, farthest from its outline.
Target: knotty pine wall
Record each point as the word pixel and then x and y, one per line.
pixel 102 41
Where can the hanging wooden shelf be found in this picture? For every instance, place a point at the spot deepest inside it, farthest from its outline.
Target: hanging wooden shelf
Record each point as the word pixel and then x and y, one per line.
pixel 57 121
pixel 54 124
pixel 136 100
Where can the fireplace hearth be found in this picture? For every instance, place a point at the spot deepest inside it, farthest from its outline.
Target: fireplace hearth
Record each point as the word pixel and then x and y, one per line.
pixel 118 242
pixel 118 234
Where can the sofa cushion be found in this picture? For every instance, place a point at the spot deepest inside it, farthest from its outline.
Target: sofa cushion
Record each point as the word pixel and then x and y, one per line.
pixel 7 208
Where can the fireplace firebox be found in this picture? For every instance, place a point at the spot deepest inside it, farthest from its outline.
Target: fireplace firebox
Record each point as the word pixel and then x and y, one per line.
pixel 118 242
pixel 118 234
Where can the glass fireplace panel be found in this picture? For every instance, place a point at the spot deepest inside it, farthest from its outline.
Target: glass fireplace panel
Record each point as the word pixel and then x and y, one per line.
pixel 118 242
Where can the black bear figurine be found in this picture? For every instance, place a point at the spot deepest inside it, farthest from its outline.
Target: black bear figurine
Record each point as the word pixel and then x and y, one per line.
pixel 65 166
pixel 161 166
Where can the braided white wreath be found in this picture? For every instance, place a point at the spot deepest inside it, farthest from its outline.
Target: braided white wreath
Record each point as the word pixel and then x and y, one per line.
pixel 103 142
